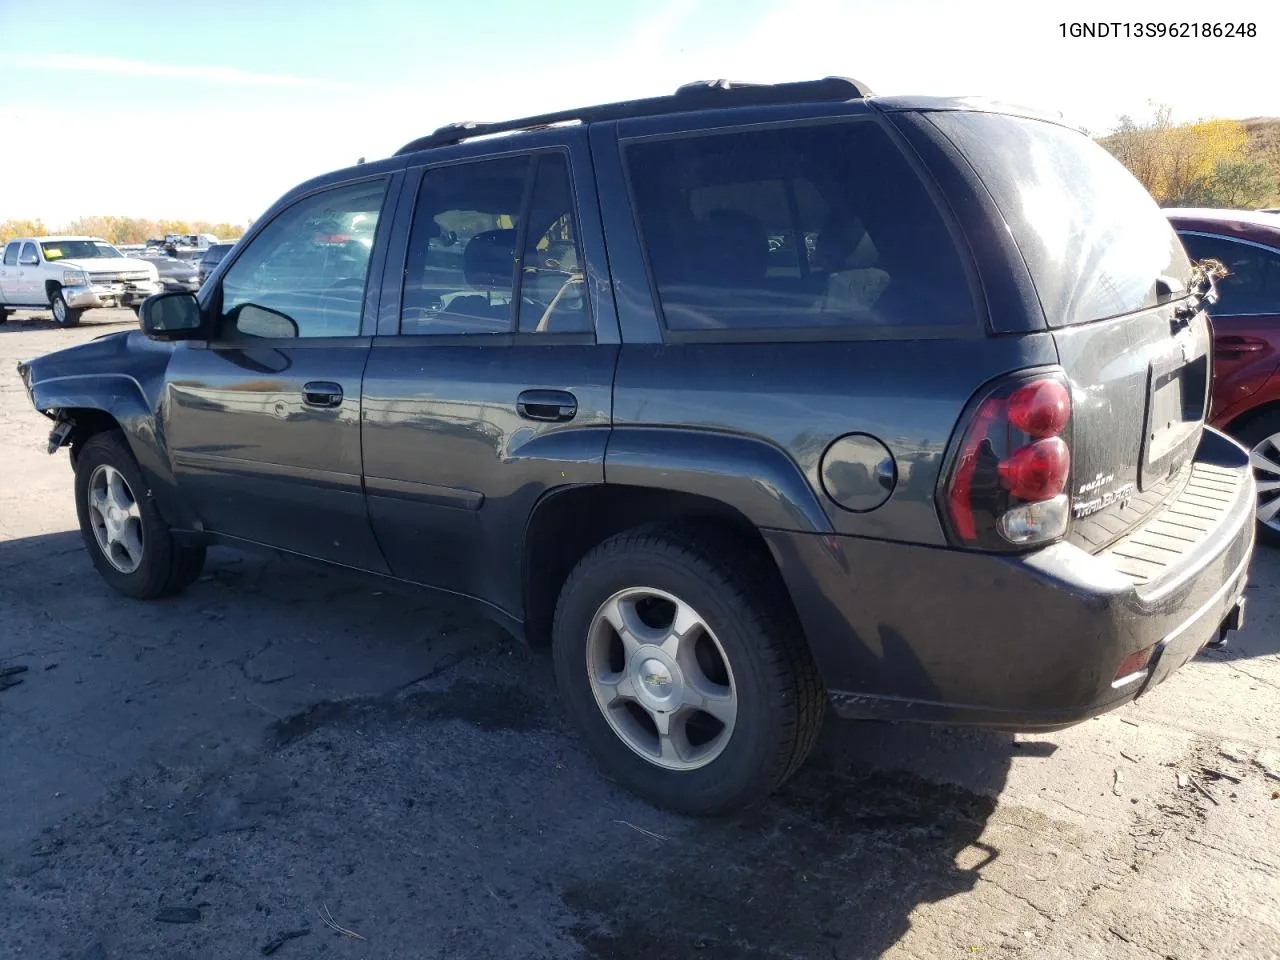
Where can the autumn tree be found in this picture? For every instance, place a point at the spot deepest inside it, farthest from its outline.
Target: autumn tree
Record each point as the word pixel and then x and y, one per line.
pixel 21 228
pixel 1207 163
pixel 120 229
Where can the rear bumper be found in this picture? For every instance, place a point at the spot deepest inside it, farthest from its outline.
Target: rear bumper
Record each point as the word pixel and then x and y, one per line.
pixel 1031 642
pixel 109 295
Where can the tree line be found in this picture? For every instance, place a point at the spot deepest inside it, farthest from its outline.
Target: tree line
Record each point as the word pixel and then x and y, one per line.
pixel 120 229
pixel 1209 163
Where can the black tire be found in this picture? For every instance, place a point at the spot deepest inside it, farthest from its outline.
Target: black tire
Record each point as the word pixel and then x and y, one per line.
pixel 781 701
pixel 63 315
pixel 167 566
pixel 1253 433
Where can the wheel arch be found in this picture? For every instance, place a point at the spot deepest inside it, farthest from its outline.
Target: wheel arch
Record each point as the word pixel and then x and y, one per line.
pixel 567 523
pixel 1242 421
pixel 97 403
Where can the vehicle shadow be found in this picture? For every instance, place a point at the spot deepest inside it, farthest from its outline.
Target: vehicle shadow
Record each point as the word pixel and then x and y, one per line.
pixel 834 865
pixel 883 818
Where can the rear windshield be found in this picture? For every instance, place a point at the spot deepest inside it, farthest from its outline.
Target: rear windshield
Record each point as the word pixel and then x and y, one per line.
pixel 1095 242
pixel 794 228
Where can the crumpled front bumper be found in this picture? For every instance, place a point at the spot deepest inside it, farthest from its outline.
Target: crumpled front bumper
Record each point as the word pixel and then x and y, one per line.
pixel 123 294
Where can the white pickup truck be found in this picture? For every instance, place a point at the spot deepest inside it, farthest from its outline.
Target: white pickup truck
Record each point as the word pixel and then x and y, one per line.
pixel 69 275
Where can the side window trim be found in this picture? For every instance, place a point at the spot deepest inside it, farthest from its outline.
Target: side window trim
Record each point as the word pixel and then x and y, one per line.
pixel 664 129
pixel 212 301
pixel 1226 239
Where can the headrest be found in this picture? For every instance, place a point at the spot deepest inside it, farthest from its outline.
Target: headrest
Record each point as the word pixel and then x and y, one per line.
pixel 734 247
pixel 489 259
pixel 844 244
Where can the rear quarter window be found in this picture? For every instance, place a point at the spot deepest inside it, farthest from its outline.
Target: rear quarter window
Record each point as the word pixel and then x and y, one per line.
pixel 1094 241
pixel 796 228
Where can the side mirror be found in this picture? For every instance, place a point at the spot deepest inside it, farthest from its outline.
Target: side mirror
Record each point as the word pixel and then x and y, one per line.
pixel 171 316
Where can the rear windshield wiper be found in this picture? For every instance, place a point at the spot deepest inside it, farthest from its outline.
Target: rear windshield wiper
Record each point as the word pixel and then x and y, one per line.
pixel 1202 291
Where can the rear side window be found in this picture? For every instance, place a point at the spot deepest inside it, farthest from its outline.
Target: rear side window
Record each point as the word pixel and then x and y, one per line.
pixel 494 248
pixel 11 254
pixel 1252 283
pixel 1093 239
pixel 460 271
pixel 795 228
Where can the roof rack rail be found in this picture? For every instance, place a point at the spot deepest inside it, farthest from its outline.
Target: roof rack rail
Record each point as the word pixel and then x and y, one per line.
pixel 701 95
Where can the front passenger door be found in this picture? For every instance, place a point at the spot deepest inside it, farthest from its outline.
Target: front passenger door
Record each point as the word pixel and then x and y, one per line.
pixel 263 421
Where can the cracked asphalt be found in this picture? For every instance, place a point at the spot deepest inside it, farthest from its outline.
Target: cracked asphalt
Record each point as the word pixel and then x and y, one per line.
pixel 280 751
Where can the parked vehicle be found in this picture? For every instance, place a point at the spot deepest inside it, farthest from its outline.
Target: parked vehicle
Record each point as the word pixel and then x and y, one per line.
pixel 942 467
pixel 176 274
pixel 197 241
pixel 212 257
pixel 69 275
pixel 1246 324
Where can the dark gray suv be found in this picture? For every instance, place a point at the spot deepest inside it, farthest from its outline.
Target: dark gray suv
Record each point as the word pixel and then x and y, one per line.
pixel 746 400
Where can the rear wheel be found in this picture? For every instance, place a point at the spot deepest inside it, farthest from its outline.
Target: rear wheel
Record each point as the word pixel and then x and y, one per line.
pixel 678 655
pixel 1262 437
pixel 127 539
pixel 63 315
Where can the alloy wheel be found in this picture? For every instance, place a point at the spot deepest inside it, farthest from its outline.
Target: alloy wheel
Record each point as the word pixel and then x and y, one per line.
pixel 661 678
pixel 1266 469
pixel 116 518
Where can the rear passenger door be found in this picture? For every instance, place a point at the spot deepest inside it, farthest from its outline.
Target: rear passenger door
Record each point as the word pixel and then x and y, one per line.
pixel 490 382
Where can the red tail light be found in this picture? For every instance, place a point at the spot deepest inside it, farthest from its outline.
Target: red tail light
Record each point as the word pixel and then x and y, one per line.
pixel 1038 471
pixel 1007 480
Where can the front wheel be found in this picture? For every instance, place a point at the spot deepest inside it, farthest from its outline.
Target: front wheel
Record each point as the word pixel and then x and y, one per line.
pixel 127 539
pixel 1262 437
pixel 680 658
pixel 63 315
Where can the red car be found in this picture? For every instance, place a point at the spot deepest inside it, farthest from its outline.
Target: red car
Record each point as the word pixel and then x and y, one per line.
pixel 1246 323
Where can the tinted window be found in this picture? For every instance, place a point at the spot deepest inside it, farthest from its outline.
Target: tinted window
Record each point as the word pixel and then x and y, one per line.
pixel 304 274
pixel 1093 239
pixel 552 285
pixel 1252 284
pixel 11 254
pixel 803 227
pixel 28 255
pixel 460 268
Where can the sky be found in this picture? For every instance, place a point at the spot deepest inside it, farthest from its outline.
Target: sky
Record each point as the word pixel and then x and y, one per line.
pixel 212 110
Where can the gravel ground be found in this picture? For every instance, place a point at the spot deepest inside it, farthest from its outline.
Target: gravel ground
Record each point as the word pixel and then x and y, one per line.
pixel 204 777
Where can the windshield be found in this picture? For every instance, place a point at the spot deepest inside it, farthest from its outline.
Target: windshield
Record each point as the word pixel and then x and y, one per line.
pixel 1096 244
pixel 77 250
